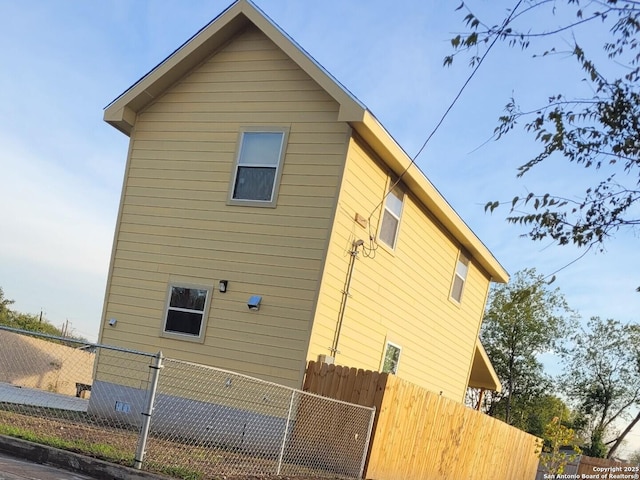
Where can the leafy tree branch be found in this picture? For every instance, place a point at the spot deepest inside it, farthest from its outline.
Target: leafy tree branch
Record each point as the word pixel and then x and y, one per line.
pixel 595 132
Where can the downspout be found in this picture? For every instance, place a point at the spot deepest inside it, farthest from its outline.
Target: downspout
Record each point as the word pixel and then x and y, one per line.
pixel 353 254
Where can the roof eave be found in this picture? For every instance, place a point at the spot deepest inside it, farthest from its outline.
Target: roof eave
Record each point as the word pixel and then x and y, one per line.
pixel 202 45
pixel 393 155
pixel 122 112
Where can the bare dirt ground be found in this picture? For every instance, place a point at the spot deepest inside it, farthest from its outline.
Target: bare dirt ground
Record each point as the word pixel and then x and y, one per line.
pixel 179 460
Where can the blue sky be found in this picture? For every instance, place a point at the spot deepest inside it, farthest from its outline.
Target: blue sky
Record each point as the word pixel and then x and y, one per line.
pixel 61 165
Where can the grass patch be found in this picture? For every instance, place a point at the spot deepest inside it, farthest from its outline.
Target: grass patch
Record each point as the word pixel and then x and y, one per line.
pixel 176 459
pixel 97 450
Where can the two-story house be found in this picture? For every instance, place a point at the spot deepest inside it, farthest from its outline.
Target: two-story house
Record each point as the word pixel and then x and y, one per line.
pixel 268 219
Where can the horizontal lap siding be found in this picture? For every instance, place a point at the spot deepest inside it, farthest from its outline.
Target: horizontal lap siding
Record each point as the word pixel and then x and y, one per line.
pixel 401 296
pixel 175 224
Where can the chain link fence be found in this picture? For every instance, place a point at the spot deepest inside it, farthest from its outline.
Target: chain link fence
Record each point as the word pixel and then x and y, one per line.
pixel 175 417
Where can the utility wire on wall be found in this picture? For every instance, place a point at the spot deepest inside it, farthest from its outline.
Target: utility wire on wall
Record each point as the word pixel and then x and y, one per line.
pixel 370 251
pixel 497 35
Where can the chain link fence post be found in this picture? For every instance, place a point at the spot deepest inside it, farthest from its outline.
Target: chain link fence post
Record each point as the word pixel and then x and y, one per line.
pixel 286 433
pixel 367 442
pixel 207 422
pixel 146 415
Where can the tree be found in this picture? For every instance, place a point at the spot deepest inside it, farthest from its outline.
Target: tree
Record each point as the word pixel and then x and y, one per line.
pixel 4 306
pixel 601 131
pixel 557 436
pixel 26 321
pixel 635 457
pixel 524 318
pixel 603 375
pixel 535 410
pixel 32 323
pixel 543 410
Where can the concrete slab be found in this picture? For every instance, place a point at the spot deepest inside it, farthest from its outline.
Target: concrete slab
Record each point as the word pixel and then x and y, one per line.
pixel 40 398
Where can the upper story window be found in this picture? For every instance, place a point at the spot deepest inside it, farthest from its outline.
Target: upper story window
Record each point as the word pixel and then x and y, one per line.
pixel 460 277
pixel 186 311
pixel 256 174
pixel 391 216
pixel 391 358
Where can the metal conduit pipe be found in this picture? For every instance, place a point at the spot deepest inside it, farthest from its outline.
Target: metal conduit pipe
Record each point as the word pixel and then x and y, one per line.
pixel 353 254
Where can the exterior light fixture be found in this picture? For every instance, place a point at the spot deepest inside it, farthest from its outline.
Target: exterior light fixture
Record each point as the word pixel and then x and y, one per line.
pixel 222 286
pixel 254 302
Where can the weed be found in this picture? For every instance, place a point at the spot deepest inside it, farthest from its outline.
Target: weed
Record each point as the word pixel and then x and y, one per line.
pixel 174 471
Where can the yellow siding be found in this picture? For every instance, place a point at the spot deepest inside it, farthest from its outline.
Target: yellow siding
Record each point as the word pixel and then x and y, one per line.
pixel 175 223
pixel 400 296
pixel 175 226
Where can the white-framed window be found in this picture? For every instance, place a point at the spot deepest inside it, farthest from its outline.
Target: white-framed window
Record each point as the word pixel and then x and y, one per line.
pixel 186 311
pixel 459 277
pixel 391 358
pixel 391 215
pixel 258 167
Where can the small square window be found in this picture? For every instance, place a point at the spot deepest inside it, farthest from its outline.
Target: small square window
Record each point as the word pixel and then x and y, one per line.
pixel 391 216
pixel 460 277
pixel 256 175
pixel 186 311
pixel 391 358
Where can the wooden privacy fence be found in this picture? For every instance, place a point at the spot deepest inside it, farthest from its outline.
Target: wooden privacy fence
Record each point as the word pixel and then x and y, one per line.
pixel 594 466
pixel 419 435
pixel 591 467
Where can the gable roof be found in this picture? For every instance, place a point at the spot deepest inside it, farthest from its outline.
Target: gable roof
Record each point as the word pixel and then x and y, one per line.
pixel 121 113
